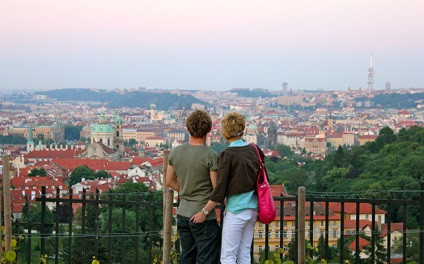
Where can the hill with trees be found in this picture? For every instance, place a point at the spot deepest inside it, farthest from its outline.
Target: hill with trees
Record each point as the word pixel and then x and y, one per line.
pixel 143 99
pixel 393 164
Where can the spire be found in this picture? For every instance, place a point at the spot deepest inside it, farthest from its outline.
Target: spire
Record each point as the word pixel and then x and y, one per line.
pixel 370 75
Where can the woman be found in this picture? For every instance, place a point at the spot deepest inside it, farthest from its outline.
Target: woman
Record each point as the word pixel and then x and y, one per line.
pixel 236 184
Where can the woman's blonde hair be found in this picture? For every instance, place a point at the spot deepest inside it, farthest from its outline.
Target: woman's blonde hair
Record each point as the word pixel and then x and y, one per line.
pixel 232 125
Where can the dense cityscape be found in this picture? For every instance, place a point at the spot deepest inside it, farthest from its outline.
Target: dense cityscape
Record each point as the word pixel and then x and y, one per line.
pixel 60 142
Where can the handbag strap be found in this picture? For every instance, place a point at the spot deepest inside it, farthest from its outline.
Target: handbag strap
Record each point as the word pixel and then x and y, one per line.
pixel 261 164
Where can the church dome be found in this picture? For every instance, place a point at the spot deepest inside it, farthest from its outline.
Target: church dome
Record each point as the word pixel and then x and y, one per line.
pixel 253 127
pixel 101 128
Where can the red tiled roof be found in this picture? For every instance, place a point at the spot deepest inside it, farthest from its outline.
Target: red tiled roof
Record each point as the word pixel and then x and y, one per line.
pixel 368 137
pixel 51 154
pixel 350 208
pixel 362 224
pixel 117 165
pixel 362 244
pixel 393 226
pixel 275 153
pixel 71 164
pixel 314 139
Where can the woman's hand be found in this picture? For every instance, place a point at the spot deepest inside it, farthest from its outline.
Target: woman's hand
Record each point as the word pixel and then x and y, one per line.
pixel 198 218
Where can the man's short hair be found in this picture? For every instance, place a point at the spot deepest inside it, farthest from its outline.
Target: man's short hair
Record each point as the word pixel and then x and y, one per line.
pixel 199 123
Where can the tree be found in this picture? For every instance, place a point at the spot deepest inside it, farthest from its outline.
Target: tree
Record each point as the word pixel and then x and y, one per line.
pixel 412 246
pixel 79 173
pixel 34 172
pixel 292 252
pixel 72 132
pixel 385 137
pixel 88 237
pixel 218 147
pixel 132 192
pixel 34 215
pixel 132 142
pixel 380 251
pixel 284 150
pixel 42 172
pixel 25 209
pixel 65 212
pixel 102 174
pixel 321 254
pixel 37 172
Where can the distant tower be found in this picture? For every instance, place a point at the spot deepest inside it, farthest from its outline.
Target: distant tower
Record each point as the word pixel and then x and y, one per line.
pixel 284 88
pixel 388 86
pixel 370 76
pixel 152 110
pixel 119 141
pixel 30 142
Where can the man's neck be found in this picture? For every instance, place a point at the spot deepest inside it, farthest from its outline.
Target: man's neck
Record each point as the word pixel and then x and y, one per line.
pixel 197 141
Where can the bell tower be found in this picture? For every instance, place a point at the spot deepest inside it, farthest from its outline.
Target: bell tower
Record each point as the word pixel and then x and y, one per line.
pixel 118 137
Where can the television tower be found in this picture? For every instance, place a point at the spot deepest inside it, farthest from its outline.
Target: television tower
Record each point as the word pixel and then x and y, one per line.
pixel 370 76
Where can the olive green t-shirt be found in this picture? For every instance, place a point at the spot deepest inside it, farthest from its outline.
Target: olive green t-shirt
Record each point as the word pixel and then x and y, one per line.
pixel 192 165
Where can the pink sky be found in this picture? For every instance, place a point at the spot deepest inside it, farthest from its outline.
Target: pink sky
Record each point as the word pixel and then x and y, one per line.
pixel 210 45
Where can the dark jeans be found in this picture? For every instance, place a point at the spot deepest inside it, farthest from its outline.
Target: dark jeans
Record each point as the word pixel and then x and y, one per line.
pixel 200 242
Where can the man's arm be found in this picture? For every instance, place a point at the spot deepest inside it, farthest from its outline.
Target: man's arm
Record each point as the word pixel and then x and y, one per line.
pixel 200 216
pixel 171 179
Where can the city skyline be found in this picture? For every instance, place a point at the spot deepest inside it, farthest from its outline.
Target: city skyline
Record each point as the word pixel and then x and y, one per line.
pixel 222 45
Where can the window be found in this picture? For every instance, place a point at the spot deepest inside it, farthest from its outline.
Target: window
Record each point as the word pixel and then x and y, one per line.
pixel 269 234
pixel 260 224
pixel 277 223
pixel 366 216
pixel 334 233
pixel 260 234
pixel 277 234
pixel 322 233
pixel 285 248
pixel 293 223
pixel 285 234
pixel 260 249
pixel 322 223
pixel 285 223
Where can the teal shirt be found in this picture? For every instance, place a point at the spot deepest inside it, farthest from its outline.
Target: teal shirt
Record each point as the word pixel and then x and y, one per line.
pixel 237 203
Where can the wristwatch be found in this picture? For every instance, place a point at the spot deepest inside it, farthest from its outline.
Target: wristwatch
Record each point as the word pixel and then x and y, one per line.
pixel 206 212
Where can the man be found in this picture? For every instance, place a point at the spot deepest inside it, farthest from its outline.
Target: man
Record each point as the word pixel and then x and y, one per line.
pixel 192 171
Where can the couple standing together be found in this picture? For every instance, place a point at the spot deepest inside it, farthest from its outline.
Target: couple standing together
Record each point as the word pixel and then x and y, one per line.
pixel 203 182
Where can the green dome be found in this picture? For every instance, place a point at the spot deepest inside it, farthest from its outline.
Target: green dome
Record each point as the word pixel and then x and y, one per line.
pixel 101 128
pixel 253 126
pixel 118 120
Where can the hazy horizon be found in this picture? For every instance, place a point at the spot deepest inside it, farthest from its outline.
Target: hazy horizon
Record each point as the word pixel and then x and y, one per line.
pixel 219 45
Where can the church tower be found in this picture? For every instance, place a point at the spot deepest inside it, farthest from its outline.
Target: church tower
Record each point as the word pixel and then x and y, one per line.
pixel 30 142
pixel 118 138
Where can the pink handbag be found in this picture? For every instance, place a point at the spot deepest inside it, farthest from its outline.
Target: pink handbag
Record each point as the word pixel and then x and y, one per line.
pixel 266 208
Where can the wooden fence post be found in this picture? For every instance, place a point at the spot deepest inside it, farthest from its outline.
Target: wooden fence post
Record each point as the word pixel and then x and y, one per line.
pixel 301 225
pixel 7 203
pixel 168 201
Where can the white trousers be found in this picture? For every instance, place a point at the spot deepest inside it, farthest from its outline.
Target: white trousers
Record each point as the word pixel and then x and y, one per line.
pixel 237 235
